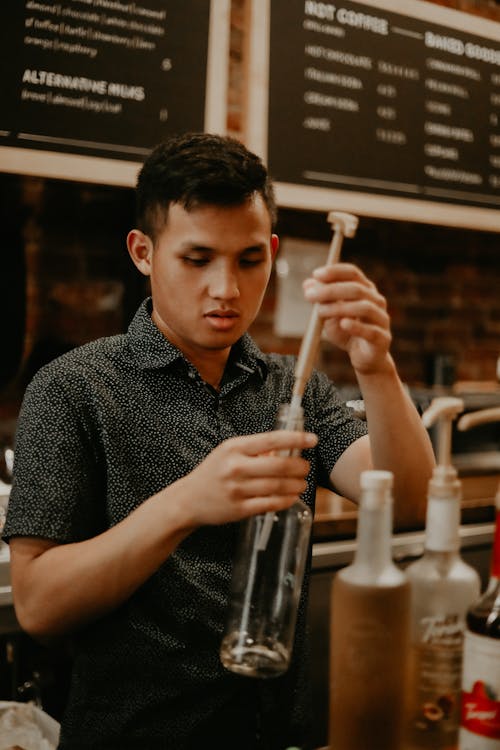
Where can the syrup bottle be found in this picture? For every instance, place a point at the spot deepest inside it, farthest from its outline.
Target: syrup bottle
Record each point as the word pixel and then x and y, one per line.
pixel 370 631
pixel 442 588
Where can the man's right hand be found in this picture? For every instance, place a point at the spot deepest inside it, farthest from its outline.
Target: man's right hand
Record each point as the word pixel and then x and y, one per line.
pixel 247 475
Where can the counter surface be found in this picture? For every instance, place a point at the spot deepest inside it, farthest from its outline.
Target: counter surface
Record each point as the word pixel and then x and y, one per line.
pixel 336 517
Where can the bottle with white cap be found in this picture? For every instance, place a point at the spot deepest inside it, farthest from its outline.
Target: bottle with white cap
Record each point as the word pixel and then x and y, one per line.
pixel 442 588
pixel 369 631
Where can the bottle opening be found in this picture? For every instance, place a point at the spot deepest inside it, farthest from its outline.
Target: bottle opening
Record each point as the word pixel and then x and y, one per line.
pixel 377 480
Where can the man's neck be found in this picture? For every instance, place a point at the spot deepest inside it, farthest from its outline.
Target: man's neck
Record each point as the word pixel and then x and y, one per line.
pixel 210 365
pixel 211 373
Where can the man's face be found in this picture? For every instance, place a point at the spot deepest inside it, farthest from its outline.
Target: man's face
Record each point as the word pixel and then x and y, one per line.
pixel 209 270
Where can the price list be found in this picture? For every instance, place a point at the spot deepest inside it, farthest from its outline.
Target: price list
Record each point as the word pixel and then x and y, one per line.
pixel 102 77
pixel 362 98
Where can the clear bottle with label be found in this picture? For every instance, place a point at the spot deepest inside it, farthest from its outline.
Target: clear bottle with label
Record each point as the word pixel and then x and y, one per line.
pixel 480 718
pixel 370 630
pixel 442 588
pixel 267 582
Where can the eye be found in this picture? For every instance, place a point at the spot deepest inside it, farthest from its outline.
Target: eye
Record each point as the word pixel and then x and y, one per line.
pixel 248 262
pixel 195 261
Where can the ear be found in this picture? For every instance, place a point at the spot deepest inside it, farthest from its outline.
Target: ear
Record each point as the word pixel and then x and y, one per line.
pixel 275 243
pixel 140 248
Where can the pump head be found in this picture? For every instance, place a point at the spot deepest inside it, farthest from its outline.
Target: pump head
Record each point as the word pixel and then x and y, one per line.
pixel 446 407
pixel 475 418
pixel 443 411
pixel 347 223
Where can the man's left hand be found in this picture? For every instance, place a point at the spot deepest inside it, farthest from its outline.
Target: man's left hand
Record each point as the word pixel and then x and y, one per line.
pixel 354 313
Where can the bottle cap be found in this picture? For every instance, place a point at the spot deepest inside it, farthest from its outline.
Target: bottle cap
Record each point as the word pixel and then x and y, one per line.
pixel 377 480
pixel 445 483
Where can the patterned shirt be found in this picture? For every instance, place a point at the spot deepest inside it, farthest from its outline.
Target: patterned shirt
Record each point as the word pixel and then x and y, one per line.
pixel 103 428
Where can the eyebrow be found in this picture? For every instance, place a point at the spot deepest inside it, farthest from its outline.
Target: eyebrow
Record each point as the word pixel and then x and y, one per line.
pixel 192 247
pixel 255 249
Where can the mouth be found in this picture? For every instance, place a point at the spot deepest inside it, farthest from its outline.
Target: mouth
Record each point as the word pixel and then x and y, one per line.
pixel 222 320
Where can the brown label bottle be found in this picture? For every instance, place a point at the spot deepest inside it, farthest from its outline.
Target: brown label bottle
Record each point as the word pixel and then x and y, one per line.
pixel 370 632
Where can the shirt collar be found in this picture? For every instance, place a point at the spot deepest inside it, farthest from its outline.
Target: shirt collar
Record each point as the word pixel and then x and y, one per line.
pixel 150 349
pixel 247 357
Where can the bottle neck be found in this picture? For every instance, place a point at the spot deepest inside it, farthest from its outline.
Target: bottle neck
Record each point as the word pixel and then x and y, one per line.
pixel 374 532
pixel 442 526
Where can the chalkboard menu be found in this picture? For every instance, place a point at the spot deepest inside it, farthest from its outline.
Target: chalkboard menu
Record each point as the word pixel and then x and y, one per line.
pixel 106 80
pixel 383 107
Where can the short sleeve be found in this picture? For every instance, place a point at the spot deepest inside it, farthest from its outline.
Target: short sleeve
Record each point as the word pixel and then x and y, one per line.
pixel 55 492
pixel 333 422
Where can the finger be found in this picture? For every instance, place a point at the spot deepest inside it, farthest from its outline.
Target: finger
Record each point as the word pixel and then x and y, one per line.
pixel 316 291
pixel 238 469
pixel 341 272
pixel 374 334
pixel 360 310
pixel 273 503
pixel 269 486
pixel 253 445
pixel 274 466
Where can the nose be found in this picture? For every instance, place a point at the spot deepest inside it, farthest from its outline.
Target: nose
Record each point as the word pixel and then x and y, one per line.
pixel 224 283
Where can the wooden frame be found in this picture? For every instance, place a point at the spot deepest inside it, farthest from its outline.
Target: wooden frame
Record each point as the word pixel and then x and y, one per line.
pixel 94 169
pixel 361 202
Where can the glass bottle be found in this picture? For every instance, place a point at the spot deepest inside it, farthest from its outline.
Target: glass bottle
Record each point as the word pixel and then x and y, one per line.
pixel 370 631
pixel 443 586
pixel 266 583
pixel 480 722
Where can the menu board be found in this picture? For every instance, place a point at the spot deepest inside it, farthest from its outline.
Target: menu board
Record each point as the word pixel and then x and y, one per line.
pixel 382 108
pixel 89 87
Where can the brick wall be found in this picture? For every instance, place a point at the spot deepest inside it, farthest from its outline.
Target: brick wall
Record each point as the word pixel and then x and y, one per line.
pixel 442 285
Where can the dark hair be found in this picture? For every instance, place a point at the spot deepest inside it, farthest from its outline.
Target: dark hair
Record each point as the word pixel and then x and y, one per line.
pixel 198 169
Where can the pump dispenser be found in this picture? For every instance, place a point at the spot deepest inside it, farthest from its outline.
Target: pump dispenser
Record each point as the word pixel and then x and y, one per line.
pixel 443 519
pixel 442 588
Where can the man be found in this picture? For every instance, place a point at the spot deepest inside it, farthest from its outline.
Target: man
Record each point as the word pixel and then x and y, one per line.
pixel 136 454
